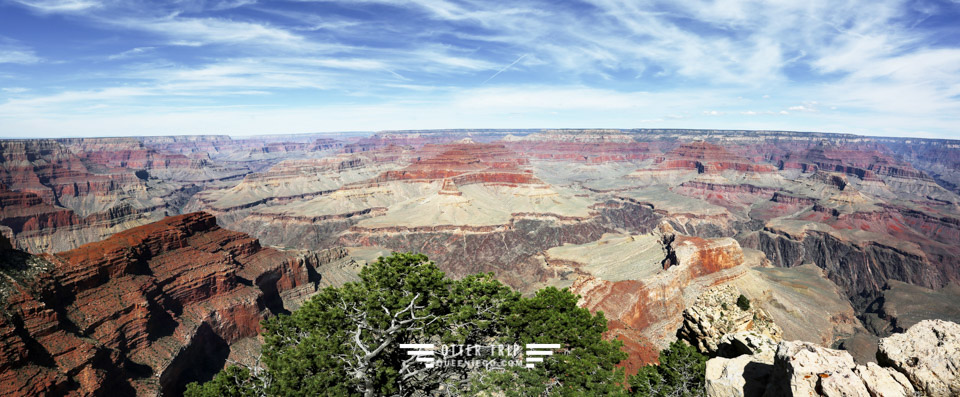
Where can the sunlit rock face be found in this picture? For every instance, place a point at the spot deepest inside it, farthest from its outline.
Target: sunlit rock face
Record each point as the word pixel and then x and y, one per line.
pixel 143 311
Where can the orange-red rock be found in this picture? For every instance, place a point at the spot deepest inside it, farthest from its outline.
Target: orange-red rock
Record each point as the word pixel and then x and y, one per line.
pixel 126 315
pixel 465 163
pixel 646 312
pixel 707 158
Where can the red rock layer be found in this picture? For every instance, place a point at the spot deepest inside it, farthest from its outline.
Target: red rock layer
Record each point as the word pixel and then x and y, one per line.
pixel 25 211
pixel 707 158
pixel 127 315
pixel 31 220
pixel 591 152
pixel 865 163
pixel 465 164
pixel 641 312
pixel 726 195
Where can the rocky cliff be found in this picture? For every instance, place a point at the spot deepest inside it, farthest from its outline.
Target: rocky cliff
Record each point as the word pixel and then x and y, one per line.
pixel 750 360
pixel 144 311
pixel 643 309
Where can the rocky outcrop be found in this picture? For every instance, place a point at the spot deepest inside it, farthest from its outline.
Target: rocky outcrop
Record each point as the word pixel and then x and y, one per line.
pixel 881 381
pixel 922 361
pixel 802 369
pixel 928 354
pixel 647 312
pixel 752 363
pixel 715 322
pixel 805 369
pixel 142 312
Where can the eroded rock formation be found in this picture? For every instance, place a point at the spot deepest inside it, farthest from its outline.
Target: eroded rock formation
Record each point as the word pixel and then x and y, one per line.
pixel 144 311
pixel 715 315
pixel 922 361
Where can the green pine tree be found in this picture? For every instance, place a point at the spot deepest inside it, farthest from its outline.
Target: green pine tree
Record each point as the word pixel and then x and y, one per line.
pixel 680 373
pixel 345 340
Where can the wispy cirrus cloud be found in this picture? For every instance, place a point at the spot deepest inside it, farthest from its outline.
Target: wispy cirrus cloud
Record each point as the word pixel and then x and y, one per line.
pixel 131 53
pixel 205 31
pixel 53 6
pixel 13 52
pixel 14 55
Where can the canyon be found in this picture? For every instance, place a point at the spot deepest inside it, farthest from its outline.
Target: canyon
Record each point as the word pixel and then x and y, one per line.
pixel 126 258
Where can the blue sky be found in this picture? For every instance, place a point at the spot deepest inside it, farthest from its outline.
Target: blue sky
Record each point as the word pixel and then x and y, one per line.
pixel 242 67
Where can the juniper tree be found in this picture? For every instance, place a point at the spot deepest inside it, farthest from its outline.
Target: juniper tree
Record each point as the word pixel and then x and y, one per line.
pixel 345 340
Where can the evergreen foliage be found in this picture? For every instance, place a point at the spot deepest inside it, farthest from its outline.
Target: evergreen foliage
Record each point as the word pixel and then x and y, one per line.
pixel 345 340
pixel 680 373
pixel 743 303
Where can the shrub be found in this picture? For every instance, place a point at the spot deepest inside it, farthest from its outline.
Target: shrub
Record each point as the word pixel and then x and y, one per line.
pixel 681 372
pixel 743 303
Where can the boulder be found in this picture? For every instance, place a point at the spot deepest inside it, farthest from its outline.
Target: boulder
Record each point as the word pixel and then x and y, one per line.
pixel 746 342
pixel 740 376
pixel 928 354
pixel 884 382
pixel 806 369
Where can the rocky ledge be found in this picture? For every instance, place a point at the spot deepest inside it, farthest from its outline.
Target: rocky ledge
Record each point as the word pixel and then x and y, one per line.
pixel 748 361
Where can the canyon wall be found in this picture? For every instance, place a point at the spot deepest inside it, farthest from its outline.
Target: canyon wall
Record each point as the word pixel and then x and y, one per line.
pixel 144 311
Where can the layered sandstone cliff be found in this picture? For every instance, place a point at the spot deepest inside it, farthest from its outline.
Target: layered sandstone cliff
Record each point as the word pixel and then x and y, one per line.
pixel 144 311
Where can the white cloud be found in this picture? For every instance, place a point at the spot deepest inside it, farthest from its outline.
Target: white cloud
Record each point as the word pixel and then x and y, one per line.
pixel 130 53
pixel 17 56
pixel 50 6
pixel 12 52
pixel 202 31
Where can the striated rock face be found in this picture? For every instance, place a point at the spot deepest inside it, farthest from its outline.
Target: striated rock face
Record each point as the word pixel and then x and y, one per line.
pixel 647 311
pixel 58 194
pixel 145 311
pixel 928 354
pixel 707 157
pixel 464 164
pixel 860 162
